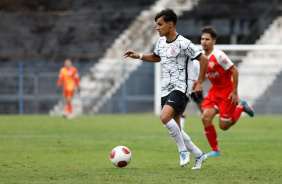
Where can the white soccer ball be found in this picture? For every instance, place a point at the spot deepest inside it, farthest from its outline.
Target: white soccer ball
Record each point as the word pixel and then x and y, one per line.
pixel 120 156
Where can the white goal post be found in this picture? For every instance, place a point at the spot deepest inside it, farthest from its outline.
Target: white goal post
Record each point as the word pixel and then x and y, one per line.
pixel 157 100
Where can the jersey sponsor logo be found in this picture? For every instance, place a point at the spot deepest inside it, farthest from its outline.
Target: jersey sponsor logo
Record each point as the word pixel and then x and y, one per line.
pixel 211 64
pixel 225 115
pixel 213 74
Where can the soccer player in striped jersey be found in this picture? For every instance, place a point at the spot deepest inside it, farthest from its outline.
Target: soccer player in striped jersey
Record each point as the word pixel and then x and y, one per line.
pixel 222 97
pixel 176 54
pixel 70 79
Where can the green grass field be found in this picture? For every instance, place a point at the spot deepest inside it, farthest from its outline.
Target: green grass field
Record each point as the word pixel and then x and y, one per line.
pixel 43 149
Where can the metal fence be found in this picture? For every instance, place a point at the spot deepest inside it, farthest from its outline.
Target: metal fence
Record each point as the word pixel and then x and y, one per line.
pixel 29 89
pixel 26 90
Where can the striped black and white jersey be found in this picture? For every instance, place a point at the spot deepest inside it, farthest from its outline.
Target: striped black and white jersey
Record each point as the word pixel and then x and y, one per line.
pixel 177 67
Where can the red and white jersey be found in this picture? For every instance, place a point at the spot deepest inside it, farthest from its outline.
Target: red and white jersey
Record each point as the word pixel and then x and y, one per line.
pixel 218 69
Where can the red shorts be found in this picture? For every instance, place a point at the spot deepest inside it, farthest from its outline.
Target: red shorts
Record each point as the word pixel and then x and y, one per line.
pixel 68 93
pixel 219 99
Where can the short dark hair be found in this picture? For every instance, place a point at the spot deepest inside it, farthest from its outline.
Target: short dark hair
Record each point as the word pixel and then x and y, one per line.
pixel 168 15
pixel 210 30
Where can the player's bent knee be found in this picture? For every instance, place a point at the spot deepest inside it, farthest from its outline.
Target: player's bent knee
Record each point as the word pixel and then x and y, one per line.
pixel 206 120
pixel 203 118
pixel 164 118
pixel 223 126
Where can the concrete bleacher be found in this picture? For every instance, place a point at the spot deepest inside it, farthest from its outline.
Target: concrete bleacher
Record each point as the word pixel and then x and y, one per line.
pixel 39 31
pixel 253 24
pixel 231 18
pixel 112 56
pixel 112 70
pixel 81 30
pixel 97 31
pixel 260 73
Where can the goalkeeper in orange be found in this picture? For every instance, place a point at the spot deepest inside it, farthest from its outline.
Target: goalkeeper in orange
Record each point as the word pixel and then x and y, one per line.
pixel 70 79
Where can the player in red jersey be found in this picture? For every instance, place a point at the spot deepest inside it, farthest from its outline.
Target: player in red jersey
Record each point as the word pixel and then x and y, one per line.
pixel 222 97
pixel 70 77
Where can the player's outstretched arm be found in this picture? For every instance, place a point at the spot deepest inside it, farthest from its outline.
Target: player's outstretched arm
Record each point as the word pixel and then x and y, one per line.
pixel 145 57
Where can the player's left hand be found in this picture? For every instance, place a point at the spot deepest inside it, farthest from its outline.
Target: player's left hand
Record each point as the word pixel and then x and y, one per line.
pixel 234 98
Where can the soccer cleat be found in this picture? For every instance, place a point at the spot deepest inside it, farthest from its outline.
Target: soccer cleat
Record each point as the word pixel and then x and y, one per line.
pixel 184 157
pixel 247 108
pixel 199 160
pixel 214 153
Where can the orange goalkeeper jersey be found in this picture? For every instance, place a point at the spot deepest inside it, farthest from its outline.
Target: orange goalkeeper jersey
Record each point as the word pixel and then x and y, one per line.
pixel 70 78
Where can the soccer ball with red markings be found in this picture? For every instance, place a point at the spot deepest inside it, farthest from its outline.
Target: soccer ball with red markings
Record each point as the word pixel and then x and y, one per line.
pixel 120 156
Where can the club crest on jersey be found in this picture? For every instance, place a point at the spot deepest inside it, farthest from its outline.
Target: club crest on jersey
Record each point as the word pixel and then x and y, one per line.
pixel 173 50
pixel 211 64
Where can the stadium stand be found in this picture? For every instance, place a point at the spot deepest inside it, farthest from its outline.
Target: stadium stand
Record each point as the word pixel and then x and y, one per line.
pixel 112 70
pixel 230 19
pixel 91 31
pixel 248 25
pixel 53 30
pixel 39 33
pixel 260 73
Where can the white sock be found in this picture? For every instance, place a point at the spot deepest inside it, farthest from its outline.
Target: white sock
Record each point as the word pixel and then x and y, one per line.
pixel 176 134
pixel 191 147
pixel 182 122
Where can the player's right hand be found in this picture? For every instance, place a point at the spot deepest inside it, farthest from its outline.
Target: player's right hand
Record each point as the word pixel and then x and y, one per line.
pixel 198 88
pixel 235 100
pixel 131 54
